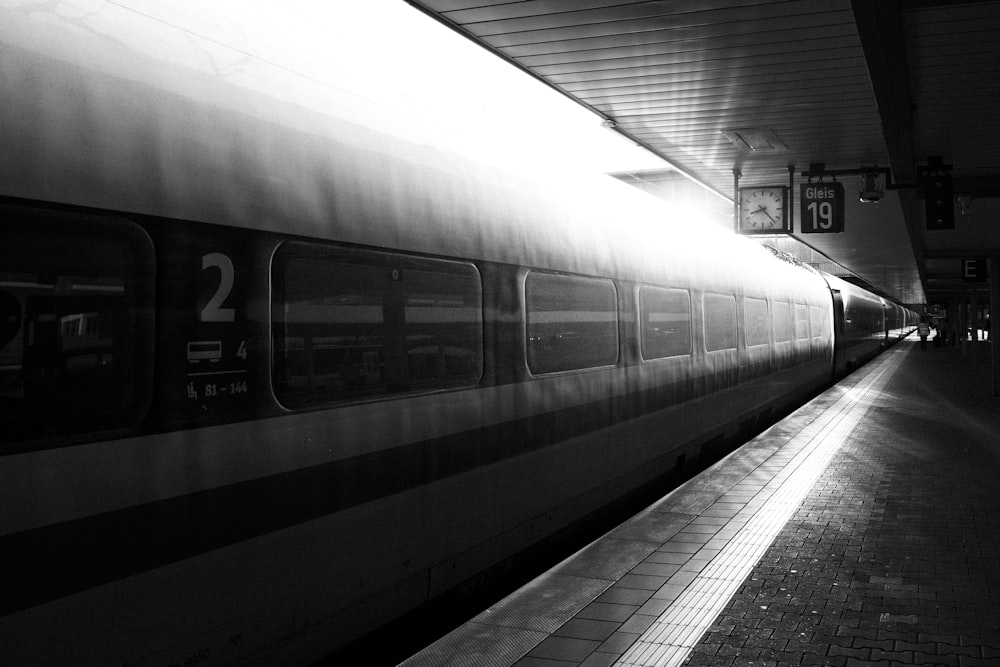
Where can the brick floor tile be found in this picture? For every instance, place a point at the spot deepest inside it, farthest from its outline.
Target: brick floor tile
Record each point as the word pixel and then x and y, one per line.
pixel 951 649
pixel 925 647
pixel 898 656
pixel 704 659
pixel 863 636
pixel 920 658
pixel 810 660
pixel 892 548
pixel 992 651
pixel 859 653
pixel 966 661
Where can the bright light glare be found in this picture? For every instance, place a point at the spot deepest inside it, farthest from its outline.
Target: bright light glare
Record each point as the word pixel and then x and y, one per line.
pixel 389 53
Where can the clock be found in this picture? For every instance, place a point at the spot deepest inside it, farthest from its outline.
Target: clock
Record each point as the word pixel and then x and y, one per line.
pixel 763 209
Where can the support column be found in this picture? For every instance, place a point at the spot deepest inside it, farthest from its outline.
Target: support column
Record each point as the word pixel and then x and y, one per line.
pixel 736 200
pixel 994 324
pixel 963 324
pixel 973 325
pixel 955 323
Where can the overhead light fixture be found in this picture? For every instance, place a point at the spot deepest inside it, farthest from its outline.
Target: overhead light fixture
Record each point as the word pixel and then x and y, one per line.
pixel 871 192
pixel 755 140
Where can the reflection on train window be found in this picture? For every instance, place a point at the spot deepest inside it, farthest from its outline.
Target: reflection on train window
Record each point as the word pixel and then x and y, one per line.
pixel 782 321
pixel 801 321
pixel 75 323
pixel 572 322
pixel 720 321
pixel 757 321
pixel 817 321
pixel 352 324
pixel 666 322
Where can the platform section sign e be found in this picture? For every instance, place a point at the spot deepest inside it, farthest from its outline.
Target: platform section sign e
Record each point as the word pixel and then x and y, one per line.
pixel 974 270
pixel 821 208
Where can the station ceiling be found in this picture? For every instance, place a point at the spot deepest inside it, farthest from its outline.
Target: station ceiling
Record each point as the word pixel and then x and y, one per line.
pixel 849 85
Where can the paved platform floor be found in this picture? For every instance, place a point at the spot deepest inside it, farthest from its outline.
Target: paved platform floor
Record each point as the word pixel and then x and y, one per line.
pixel 862 530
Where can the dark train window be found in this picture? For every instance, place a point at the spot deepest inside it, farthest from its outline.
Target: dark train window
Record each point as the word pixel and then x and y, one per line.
pixel 801 321
pixel 572 322
pixel 353 324
pixel 666 322
pixel 757 321
pixel 76 329
pixel 782 321
pixel 720 321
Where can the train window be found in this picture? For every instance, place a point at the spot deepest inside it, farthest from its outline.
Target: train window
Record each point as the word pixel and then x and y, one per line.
pixel 666 322
pixel 76 330
pixel 572 322
pixel 757 321
pixel 817 321
pixel 782 321
pixel 352 324
pixel 720 321
pixel 801 321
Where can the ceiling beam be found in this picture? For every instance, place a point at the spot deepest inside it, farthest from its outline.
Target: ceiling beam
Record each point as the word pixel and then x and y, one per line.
pixel 880 28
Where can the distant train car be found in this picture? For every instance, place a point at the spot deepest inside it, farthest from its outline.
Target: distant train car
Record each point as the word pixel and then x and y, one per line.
pixel 864 321
pixel 271 377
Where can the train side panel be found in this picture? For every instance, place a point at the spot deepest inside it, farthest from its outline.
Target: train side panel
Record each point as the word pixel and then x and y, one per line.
pixel 332 371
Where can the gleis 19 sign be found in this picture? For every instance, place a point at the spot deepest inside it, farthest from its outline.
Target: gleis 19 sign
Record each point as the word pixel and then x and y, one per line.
pixel 822 208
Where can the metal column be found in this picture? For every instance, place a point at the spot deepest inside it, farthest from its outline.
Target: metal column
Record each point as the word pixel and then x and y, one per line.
pixel 994 330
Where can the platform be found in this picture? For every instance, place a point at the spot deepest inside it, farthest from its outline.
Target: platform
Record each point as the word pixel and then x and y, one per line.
pixel 864 529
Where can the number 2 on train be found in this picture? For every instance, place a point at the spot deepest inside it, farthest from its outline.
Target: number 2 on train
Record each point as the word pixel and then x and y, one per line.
pixel 213 311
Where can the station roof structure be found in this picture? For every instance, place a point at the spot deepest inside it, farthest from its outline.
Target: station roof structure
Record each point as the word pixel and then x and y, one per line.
pixel 774 88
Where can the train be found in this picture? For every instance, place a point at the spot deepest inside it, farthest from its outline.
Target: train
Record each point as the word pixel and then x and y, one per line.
pixel 276 370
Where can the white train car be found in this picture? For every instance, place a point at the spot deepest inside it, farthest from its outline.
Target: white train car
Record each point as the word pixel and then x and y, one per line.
pixel 273 373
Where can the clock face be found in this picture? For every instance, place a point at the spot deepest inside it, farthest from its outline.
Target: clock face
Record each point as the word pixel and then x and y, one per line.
pixel 762 208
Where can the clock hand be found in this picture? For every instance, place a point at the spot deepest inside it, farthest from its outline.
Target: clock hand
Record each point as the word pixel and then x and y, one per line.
pixel 763 209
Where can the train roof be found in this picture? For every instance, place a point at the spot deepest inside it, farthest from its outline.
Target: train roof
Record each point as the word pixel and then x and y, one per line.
pixel 127 115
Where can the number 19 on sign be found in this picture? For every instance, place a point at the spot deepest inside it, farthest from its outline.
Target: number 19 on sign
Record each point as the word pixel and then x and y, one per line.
pixel 822 208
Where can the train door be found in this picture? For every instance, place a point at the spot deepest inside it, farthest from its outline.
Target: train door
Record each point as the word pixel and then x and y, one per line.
pixel 839 334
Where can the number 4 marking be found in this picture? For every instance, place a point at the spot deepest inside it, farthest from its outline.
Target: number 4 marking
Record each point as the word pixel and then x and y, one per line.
pixel 213 312
pixel 242 351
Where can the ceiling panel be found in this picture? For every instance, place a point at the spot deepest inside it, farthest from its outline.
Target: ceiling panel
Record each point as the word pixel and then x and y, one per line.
pixel 675 74
pixel 845 84
pixel 954 56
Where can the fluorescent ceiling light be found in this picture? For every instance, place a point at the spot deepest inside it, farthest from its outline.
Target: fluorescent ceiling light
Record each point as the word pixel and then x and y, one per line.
pixel 755 140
